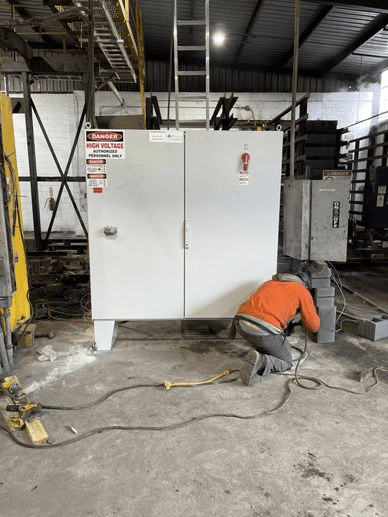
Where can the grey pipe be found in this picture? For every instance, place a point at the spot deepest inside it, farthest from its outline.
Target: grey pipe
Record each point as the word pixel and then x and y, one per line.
pixel 8 337
pixel 3 353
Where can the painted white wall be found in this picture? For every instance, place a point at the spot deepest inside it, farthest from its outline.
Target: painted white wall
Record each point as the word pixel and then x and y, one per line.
pixel 60 115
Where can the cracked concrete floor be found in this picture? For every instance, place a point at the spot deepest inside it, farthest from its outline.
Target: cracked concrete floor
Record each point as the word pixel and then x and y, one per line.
pixel 324 454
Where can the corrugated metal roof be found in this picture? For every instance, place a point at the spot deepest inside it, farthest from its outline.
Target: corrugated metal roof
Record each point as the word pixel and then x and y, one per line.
pixel 337 31
pixel 259 37
pixel 271 35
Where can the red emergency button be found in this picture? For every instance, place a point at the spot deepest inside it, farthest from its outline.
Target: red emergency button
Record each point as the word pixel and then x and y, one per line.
pixel 245 159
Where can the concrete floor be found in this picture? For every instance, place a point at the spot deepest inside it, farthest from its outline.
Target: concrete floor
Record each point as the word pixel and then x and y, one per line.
pixel 324 454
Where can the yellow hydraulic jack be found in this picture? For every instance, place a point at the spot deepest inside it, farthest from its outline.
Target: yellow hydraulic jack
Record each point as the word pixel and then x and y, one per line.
pixel 19 412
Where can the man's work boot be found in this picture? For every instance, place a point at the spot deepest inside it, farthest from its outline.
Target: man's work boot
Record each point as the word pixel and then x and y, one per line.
pixel 250 373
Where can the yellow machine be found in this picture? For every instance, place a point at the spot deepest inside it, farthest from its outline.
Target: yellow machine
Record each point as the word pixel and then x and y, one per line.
pixel 17 410
pixel 14 303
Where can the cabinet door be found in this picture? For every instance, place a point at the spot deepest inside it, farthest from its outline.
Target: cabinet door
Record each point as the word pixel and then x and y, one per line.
pixel 138 273
pixel 231 222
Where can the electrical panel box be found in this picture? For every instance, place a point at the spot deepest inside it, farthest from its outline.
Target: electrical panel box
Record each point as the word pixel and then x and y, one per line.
pixel 182 224
pixel 316 216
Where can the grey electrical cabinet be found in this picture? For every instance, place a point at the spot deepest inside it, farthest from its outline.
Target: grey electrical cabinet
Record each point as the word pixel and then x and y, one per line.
pixel 316 216
pixel 180 224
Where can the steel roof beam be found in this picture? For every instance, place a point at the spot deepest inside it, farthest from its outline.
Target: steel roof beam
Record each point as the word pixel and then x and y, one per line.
pixel 367 5
pixel 82 14
pixel 377 25
pixel 10 40
pixel 39 64
pixel 309 30
pixel 26 15
pixel 248 30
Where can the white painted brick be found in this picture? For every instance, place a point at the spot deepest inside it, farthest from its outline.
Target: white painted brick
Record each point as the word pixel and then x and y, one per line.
pixel 60 115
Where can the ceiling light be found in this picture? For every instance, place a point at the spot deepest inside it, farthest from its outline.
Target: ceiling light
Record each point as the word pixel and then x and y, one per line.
pixel 219 38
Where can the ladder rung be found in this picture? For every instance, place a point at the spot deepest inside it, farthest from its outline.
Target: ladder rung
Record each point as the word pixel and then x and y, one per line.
pixel 191 22
pixel 190 96
pixel 191 47
pixel 192 72
pixel 201 70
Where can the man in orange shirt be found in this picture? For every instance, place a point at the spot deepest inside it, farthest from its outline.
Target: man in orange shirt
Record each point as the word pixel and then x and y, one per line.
pixel 263 318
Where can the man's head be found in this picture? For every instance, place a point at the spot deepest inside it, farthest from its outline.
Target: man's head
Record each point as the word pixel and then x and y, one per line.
pixel 305 278
pixel 300 276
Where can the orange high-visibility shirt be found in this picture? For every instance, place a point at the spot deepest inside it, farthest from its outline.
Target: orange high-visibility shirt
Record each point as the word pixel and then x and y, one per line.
pixel 277 303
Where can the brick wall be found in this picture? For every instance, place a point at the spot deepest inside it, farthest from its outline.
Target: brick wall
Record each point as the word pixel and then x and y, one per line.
pixel 60 115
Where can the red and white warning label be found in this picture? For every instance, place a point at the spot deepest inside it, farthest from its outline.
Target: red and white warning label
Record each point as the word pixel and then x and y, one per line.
pixel 96 172
pixel 104 144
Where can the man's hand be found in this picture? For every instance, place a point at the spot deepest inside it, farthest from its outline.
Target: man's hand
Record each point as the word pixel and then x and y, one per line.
pixel 290 328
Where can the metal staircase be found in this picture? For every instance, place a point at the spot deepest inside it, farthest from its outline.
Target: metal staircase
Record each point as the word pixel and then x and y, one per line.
pixel 114 36
pixel 184 47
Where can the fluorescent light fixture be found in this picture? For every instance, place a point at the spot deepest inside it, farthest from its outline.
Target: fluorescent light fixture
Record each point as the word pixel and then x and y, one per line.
pixel 219 38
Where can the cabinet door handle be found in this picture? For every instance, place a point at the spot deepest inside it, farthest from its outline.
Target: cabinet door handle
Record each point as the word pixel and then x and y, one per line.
pixel 187 234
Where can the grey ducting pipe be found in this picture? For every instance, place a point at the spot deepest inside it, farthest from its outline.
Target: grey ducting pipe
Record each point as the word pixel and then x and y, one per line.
pixel 3 353
pixel 8 337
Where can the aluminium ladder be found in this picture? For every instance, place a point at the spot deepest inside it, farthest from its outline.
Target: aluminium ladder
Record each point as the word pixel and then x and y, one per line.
pixel 202 48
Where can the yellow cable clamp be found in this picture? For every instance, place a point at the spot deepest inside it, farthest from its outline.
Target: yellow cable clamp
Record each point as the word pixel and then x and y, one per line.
pixel 171 384
pixel 16 422
pixel 7 382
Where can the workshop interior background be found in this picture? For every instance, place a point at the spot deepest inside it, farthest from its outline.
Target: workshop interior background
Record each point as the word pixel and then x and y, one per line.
pixel 313 71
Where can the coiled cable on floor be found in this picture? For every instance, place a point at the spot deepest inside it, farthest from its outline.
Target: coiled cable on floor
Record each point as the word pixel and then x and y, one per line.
pixel 318 383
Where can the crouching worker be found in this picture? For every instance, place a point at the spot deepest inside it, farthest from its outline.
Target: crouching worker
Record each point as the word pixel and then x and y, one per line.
pixel 263 320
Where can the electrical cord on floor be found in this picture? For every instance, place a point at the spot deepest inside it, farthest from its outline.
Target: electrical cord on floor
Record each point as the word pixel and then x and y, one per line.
pixel 101 399
pixel 318 383
pixel 170 427
pixel 292 378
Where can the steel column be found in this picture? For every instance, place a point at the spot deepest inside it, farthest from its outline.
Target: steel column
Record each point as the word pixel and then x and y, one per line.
pixel 90 88
pixel 32 160
pixel 294 86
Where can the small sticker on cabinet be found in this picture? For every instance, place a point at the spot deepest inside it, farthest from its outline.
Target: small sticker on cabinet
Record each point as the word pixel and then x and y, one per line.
pixel 170 136
pixel 244 179
pixel 96 173
pixel 336 214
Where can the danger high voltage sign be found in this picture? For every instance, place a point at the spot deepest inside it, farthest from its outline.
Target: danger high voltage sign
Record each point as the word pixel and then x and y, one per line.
pixel 104 144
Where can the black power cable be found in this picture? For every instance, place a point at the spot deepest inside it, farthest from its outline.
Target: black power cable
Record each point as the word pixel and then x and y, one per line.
pixel 170 427
pixel 318 383
pixel 292 379
pixel 101 399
